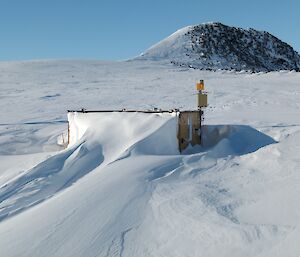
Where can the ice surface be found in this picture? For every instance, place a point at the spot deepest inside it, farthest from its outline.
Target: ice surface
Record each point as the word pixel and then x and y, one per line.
pixel 121 188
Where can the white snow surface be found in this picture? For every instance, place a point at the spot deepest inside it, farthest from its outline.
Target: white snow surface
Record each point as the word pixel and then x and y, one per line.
pixel 121 188
pixel 170 47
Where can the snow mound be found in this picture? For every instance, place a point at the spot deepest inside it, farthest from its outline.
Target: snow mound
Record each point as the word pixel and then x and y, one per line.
pixel 99 139
pixel 95 139
pixel 235 140
pixel 119 132
pixel 47 178
pixel 171 46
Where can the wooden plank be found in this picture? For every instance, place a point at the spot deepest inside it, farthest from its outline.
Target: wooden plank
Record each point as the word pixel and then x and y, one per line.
pixel 183 131
pixel 188 129
pixel 195 128
pixel 140 111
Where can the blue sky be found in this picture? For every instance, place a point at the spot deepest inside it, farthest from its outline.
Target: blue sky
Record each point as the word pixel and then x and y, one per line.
pixel 115 29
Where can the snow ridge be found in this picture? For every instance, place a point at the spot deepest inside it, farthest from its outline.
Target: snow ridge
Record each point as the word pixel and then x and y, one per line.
pixel 213 46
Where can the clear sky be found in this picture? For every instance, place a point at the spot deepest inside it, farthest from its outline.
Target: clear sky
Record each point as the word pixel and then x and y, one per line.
pixel 116 29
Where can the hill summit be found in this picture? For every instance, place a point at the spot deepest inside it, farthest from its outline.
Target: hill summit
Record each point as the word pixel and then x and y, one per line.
pixel 215 46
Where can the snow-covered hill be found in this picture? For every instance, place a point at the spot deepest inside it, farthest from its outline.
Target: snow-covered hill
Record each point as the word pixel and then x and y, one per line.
pixel 217 46
pixel 121 188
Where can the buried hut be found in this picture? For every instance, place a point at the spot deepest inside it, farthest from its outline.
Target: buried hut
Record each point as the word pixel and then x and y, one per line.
pixel 189 122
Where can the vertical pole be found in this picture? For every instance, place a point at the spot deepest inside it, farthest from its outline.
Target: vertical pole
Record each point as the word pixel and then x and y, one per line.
pixel 200 117
pixel 200 87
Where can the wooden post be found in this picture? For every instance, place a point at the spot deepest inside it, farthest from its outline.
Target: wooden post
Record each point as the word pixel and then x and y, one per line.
pixel 202 102
pixel 188 129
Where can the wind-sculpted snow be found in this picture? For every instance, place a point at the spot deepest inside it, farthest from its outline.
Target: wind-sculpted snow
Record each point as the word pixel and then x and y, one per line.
pixel 62 170
pixel 231 140
pixel 121 188
pixel 106 133
pixel 49 177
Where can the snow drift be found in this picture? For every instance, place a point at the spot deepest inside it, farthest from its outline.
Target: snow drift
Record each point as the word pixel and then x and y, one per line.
pixel 118 132
pixel 99 139
pixel 236 196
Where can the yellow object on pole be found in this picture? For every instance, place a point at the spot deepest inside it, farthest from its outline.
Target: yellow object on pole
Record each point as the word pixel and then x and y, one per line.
pixel 200 85
pixel 202 100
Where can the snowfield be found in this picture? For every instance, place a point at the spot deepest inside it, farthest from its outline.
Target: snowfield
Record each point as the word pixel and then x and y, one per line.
pixel 121 188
